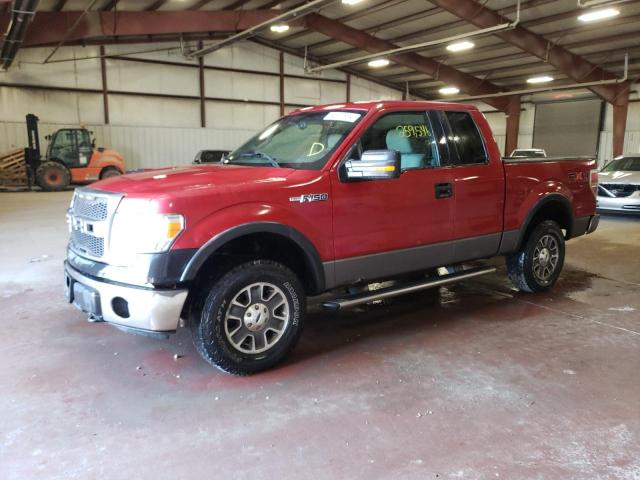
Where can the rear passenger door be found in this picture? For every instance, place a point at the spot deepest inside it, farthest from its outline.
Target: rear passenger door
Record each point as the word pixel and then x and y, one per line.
pixel 478 186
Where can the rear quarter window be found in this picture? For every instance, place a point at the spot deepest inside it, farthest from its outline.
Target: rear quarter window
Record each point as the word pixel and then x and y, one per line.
pixel 466 139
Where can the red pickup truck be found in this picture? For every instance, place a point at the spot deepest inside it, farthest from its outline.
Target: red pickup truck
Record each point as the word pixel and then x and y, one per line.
pixel 325 198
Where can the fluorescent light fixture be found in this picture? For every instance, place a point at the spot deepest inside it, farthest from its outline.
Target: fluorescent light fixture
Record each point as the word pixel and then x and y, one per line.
pixel 279 27
pixel 540 79
pixel 351 2
pixel 595 15
pixel 449 90
pixel 378 62
pixel 460 46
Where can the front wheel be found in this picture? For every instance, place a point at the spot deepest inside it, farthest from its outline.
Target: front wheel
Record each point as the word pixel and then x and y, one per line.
pixel 53 176
pixel 251 318
pixel 537 266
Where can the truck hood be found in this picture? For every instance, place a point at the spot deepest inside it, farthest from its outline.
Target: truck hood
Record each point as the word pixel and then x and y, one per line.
pixel 180 180
pixel 621 177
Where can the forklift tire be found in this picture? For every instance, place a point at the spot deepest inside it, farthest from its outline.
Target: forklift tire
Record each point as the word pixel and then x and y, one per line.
pixel 109 172
pixel 53 177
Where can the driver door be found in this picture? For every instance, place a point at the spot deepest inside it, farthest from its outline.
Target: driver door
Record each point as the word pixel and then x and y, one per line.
pixel 392 226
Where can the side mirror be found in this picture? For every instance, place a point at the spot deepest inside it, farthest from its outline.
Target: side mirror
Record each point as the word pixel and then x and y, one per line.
pixel 374 165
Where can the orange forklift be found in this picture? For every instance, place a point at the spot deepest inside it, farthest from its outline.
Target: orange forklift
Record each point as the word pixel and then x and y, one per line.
pixel 71 157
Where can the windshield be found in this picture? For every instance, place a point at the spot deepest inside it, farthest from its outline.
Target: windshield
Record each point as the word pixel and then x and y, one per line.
pixel 304 141
pixel 630 164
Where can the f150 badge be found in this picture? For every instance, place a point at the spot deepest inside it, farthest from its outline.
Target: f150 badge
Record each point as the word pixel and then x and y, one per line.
pixel 310 197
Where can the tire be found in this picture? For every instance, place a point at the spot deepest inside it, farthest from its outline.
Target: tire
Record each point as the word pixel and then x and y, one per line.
pixel 537 266
pixel 251 318
pixel 109 172
pixel 53 176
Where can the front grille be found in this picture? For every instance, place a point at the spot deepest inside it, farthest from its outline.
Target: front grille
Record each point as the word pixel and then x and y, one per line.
pixel 90 207
pixel 86 243
pixel 618 190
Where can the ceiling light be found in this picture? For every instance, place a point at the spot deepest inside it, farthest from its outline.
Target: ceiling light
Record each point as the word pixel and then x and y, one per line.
pixel 540 79
pixel 460 46
pixel 351 2
pixel 379 62
pixel 449 90
pixel 279 28
pixel 595 15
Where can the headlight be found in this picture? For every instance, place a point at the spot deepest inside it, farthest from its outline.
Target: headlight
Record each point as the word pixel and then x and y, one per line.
pixel 138 228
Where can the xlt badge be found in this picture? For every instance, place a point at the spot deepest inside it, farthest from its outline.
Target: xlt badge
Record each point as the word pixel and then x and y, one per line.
pixel 310 197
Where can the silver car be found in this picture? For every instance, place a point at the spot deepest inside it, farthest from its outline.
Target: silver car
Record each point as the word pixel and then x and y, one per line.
pixel 619 185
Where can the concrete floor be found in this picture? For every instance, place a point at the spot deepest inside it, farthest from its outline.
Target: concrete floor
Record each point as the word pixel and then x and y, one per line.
pixel 475 382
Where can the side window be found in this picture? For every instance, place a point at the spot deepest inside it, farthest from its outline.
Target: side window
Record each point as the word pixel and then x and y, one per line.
pixel 409 133
pixel 466 138
pixel 84 141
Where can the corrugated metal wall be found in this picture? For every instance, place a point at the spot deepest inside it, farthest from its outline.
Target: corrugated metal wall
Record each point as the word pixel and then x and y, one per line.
pixel 160 131
pixel 142 147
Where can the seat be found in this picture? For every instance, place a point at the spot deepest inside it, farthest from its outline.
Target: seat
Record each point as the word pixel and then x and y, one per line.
pixel 332 139
pixel 408 158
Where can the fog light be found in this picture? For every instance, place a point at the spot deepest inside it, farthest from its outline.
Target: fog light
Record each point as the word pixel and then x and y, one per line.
pixel 120 307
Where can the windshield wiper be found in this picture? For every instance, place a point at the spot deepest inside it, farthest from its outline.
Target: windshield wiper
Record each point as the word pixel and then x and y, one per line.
pixel 272 161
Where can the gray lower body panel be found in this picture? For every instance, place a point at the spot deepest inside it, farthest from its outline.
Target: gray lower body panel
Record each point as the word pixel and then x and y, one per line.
pixel 388 264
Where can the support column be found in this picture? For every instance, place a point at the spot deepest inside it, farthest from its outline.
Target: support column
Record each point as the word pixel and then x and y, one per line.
pixel 203 107
pixel 105 91
pixel 281 83
pixel 513 124
pixel 348 87
pixel 620 109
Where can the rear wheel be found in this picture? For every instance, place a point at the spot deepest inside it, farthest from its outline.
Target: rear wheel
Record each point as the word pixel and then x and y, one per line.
pixel 251 318
pixel 109 172
pixel 53 176
pixel 537 266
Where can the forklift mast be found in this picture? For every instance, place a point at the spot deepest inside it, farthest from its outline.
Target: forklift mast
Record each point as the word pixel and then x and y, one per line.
pixel 32 152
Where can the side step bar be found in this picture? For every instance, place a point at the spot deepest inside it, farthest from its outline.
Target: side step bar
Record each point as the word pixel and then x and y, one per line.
pixel 390 292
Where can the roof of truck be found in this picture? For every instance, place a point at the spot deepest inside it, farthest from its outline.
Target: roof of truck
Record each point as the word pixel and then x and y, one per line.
pixel 380 104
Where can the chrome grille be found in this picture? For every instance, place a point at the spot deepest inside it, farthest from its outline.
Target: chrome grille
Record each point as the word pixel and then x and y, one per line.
pixel 87 243
pixel 90 207
pixel 89 220
pixel 618 190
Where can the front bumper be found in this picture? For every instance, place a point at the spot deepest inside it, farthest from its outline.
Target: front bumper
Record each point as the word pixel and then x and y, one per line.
pixel 630 204
pixel 142 309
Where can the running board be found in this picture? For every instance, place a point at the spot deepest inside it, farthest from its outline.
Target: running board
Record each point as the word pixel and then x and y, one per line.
pixel 390 292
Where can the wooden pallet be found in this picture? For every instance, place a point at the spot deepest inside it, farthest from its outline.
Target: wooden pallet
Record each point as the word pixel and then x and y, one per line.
pixel 13 169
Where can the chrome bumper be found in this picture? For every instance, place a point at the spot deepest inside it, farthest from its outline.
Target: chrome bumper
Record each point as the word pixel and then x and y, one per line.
pixel 135 308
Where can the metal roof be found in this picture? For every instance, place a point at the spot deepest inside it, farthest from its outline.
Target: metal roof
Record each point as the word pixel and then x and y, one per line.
pixel 493 60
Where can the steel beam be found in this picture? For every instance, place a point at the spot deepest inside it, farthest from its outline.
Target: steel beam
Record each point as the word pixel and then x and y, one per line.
pixel 364 41
pixel 572 65
pixel 620 111
pixel 49 28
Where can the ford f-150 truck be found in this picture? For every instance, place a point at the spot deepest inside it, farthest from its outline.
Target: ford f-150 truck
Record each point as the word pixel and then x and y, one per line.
pixel 325 199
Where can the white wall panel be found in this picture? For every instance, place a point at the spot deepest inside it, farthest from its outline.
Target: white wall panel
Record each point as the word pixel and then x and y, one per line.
pixel 29 69
pixel 144 77
pixel 131 110
pixel 247 117
pixel 249 56
pixel 305 92
pixel 241 86
pixel 50 106
pixel 332 92
pixel 362 90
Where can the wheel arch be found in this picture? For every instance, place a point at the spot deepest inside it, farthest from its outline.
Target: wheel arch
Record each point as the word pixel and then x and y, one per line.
pixel 299 252
pixel 554 207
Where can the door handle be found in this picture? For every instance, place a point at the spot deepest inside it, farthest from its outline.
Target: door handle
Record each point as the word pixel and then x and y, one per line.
pixel 444 190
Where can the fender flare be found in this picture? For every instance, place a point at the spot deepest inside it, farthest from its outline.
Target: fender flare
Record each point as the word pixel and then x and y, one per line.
pixel 552 197
pixel 312 258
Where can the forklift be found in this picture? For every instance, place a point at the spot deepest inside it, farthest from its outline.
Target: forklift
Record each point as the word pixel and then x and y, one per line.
pixel 71 157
